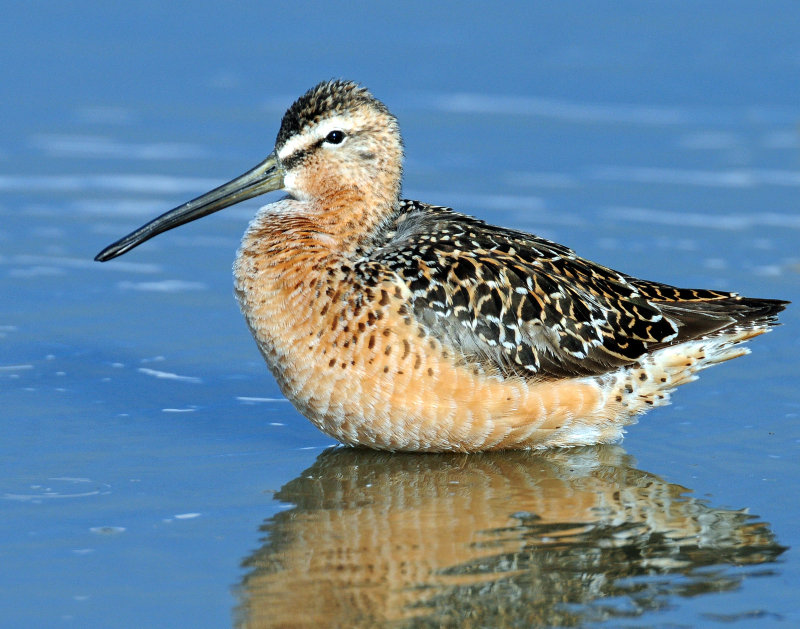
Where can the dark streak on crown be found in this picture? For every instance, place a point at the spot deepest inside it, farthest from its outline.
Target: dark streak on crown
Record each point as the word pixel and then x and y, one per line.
pixel 324 100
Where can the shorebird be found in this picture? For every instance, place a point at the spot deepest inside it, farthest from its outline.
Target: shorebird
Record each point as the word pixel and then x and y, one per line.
pixel 399 325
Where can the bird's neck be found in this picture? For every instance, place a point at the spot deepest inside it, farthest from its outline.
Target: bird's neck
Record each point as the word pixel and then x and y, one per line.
pixel 343 220
pixel 353 219
pixel 314 234
pixel 291 256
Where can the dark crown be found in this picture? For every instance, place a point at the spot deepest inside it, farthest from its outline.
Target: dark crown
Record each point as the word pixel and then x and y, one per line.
pixel 323 100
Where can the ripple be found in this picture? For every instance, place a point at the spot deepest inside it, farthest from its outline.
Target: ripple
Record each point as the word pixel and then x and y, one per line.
pixel 691 219
pixel 104 114
pixel 559 109
pixel 259 400
pixel 108 530
pixel 166 375
pixel 739 178
pixel 110 183
pixel 164 286
pixel 61 262
pixel 64 487
pixel 106 147
pixel 15 367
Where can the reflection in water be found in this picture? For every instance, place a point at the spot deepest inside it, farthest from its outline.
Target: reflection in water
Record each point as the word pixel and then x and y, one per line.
pixel 495 539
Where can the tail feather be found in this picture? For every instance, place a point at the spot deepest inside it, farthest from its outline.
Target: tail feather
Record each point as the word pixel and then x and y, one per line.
pixel 650 381
pixel 722 317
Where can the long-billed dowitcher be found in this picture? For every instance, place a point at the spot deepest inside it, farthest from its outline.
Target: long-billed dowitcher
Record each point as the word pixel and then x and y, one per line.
pixel 399 325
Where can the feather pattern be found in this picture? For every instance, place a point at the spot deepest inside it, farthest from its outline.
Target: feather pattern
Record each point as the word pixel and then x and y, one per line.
pixel 519 304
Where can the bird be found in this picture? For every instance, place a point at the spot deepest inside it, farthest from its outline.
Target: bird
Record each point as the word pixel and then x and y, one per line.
pixel 399 325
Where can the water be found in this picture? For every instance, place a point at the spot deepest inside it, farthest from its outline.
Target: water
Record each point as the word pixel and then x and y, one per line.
pixel 433 541
pixel 153 476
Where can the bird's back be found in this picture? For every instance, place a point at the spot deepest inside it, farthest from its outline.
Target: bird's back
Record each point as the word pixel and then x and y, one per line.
pixel 520 304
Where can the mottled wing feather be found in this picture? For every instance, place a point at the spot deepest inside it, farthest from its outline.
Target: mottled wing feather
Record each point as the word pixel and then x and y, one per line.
pixel 517 303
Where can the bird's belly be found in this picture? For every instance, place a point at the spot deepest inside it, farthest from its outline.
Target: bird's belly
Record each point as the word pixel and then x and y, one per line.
pixel 371 377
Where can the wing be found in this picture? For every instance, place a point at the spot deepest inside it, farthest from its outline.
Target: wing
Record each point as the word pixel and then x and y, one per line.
pixel 513 302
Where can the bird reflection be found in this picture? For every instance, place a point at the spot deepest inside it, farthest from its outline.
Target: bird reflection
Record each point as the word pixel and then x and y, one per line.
pixel 496 539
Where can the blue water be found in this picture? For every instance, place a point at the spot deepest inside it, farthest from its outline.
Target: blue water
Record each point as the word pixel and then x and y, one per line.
pixel 152 473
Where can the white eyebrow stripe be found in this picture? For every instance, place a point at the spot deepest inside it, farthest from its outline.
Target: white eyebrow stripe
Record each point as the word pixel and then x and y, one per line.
pixel 304 140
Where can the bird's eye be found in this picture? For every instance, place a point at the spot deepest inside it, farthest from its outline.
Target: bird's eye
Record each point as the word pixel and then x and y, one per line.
pixel 335 137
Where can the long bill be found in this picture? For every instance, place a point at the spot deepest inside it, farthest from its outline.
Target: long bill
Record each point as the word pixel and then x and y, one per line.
pixel 265 177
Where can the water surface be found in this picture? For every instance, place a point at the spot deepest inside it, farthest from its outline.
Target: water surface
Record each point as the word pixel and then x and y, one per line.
pixel 153 473
pixel 499 539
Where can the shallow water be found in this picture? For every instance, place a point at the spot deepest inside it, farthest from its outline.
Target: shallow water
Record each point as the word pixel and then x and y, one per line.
pixel 528 539
pixel 154 475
